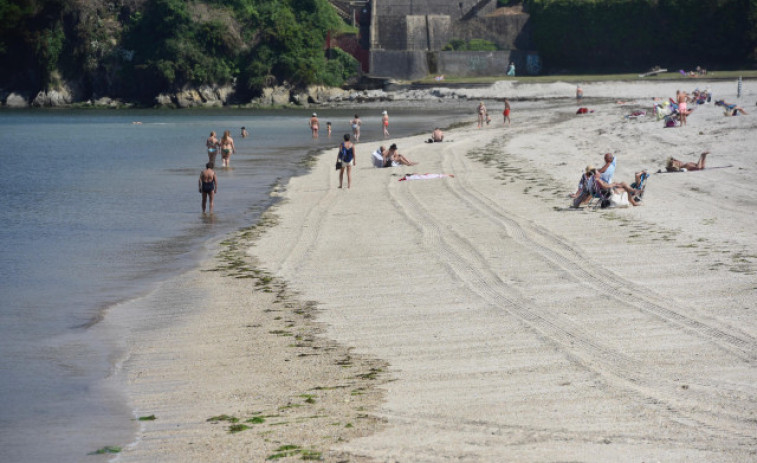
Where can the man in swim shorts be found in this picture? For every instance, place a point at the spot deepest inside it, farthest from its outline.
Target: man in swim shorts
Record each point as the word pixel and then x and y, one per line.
pixel 208 186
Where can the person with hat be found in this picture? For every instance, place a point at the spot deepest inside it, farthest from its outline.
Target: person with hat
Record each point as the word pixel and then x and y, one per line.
pixel 314 125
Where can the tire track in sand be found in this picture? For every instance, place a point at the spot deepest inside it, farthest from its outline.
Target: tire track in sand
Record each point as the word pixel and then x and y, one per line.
pixel 617 370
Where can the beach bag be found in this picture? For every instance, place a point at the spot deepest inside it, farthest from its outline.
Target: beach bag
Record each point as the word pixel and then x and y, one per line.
pixel 582 110
pixel 339 158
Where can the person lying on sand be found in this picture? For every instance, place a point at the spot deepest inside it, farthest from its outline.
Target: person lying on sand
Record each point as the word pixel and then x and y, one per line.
pixel 674 165
pixel 731 109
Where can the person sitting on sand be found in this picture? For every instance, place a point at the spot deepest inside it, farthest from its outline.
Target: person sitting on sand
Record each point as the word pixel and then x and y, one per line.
pixel 617 188
pixel 437 136
pixel 607 171
pixel 674 165
pixel 591 184
pixel 392 155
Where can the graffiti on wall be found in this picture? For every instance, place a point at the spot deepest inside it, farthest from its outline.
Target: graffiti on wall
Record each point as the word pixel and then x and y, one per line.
pixel 533 64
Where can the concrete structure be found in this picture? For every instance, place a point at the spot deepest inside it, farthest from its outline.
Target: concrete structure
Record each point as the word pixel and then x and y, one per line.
pixel 406 38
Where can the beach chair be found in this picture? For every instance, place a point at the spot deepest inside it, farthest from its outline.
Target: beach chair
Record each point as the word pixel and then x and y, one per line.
pixel 641 185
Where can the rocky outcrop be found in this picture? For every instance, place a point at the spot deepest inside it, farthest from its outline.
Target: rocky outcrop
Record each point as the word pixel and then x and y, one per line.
pixel 205 96
pixel 14 100
pixel 62 97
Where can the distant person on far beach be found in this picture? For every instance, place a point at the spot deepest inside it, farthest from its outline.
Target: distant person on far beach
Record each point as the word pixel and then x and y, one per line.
pixel 481 110
pixel 208 185
pixel 506 112
pixel 314 125
pixel 385 123
pixel 244 132
pixel 511 70
pixel 212 144
pixel 347 156
pixel 579 93
pixel 355 124
pixel 674 165
pixel 328 128
pixel 227 148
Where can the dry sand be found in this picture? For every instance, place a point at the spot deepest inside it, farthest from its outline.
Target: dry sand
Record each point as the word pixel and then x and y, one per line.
pixel 475 318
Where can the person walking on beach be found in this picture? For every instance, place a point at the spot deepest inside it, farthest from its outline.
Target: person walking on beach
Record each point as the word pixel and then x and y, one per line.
pixel 208 185
pixel 347 156
pixel 212 144
pixel 481 114
pixel 385 123
pixel 356 123
pixel 227 148
pixel 506 112
pixel 314 125
pixel 579 93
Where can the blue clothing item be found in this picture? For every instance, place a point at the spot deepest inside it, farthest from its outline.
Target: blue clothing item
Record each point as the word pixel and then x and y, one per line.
pixel 607 175
pixel 208 187
pixel 347 154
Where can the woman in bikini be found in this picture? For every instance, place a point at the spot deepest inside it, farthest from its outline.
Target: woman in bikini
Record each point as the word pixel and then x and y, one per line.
pixel 212 144
pixel 481 114
pixel 314 125
pixel 227 148
pixel 385 123
pixel 356 127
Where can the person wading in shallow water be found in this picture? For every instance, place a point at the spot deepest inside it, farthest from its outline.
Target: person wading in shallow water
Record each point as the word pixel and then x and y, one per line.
pixel 208 185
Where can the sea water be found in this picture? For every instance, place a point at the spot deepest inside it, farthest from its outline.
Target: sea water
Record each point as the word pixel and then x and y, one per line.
pixel 99 207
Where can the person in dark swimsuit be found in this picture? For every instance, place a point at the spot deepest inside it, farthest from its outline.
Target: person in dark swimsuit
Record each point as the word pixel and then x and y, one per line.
pixel 347 156
pixel 208 186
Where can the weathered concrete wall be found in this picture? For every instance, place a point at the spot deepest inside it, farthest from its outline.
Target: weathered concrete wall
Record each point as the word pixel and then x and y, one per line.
pixel 485 63
pixel 508 32
pixel 399 64
pixel 428 32
pixel 440 7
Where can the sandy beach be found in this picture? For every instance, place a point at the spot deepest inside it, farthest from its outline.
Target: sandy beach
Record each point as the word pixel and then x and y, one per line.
pixel 475 318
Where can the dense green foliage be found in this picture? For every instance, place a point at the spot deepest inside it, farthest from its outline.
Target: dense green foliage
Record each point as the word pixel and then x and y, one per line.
pixel 471 45
pixel 137 49
pixel 638 34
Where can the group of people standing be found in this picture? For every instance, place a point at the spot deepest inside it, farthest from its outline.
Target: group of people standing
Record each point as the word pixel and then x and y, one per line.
pixel 355 124
pixel 208 182
pixel 484 118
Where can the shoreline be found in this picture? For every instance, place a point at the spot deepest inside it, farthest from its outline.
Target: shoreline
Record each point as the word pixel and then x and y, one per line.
pixel 493 306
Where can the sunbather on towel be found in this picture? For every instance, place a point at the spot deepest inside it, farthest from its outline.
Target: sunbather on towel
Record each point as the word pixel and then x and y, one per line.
pixel 674 165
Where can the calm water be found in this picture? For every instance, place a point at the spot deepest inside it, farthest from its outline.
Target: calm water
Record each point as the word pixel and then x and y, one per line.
pixel 98 211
